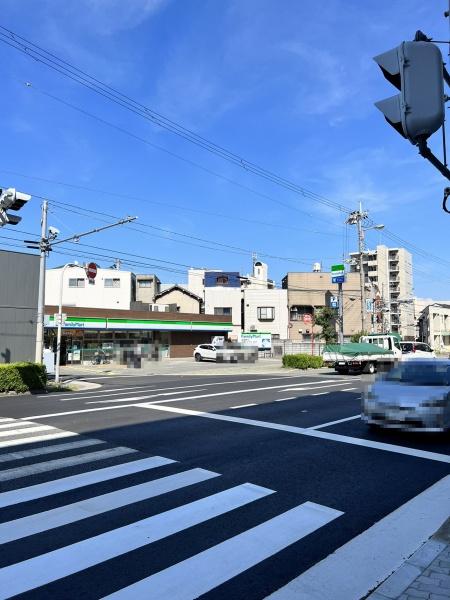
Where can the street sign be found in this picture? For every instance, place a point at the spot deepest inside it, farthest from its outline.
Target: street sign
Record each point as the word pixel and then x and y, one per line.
pixel 337 269
pixel 91 270
pixel 63 319
pixel 369 305
pixel 334 302
pixel 338 279
pixel 307 318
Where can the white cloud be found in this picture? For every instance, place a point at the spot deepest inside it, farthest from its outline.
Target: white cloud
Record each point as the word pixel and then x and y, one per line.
pixel 111 16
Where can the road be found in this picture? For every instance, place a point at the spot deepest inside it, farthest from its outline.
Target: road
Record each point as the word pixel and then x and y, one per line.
pixel 229 487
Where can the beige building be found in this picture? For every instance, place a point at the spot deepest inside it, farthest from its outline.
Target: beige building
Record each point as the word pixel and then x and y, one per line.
pixel 308 292
pixel 147 286
pixel 434 326
pixel 389 271
pixel 185 300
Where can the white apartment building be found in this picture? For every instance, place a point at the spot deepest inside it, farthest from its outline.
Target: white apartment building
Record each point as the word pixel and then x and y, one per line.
pixel 266 311
pixel 434 326
pixel 389 272
pixel 111 288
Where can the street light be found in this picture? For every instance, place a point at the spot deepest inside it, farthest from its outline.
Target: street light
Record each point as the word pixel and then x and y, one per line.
pixel 58 338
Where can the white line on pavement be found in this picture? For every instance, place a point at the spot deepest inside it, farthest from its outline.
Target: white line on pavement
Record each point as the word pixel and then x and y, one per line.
pixel 49 449
pixel 325 435
pixel 45 568
pixel 203 572
pixel 349 389
pixel 317 387
pixel 106 394
pixel 150 396
pixel 77 412
pixel 320 394
pixel 24 430
pixel 243 405
pixel 375 553
pixel 60 463
pixel 4 419
pixel 83 509
pixel 335 422
pixel 15 423
pixel 73 482
pixel 43 437
pixel 284 399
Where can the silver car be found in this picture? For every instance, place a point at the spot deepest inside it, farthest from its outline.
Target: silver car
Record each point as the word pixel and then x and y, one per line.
pixel 414 395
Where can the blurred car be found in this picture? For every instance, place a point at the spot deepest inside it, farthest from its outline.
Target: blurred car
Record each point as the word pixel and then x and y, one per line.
pixel 205 352
pixel 417 350
pixel 414 395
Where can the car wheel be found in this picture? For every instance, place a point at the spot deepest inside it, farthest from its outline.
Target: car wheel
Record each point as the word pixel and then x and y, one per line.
pixel 371 368
pixel 198 357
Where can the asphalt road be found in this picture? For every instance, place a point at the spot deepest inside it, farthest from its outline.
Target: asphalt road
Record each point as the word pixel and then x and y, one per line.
pixel 179 487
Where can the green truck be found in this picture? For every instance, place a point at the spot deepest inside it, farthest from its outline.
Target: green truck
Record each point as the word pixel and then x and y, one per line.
pixel 367 356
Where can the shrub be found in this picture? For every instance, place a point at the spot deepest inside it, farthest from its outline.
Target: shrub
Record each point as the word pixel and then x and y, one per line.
pixel 22 377
pixel 302 361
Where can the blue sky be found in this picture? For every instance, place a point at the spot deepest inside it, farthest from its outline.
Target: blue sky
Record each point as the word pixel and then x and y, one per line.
pixel 287 85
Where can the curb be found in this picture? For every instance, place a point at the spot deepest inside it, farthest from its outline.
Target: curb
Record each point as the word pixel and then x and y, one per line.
pixel 422 574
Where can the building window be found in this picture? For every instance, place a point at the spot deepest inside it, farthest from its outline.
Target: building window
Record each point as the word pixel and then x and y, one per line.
pixel 222 280
pixel 145 283
pixel 112 283
pixel 224 311
pixel 76 283
pixel 266 313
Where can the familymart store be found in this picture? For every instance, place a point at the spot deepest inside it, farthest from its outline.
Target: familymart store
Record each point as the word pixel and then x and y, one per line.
pixel 86 331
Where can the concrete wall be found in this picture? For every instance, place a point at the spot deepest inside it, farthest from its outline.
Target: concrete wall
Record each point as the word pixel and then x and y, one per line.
pixel 91 295
pixel 278 299
pixel 18 305
pixel 146 293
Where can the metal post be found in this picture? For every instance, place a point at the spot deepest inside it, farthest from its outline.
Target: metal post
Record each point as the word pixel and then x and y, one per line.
pixel 361 271
pixel 58 338
pixel 41 292
pixel 341 313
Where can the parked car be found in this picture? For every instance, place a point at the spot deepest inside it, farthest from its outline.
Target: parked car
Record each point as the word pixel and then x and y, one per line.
pixel 205 352
pixel 414 395
pixel 418 349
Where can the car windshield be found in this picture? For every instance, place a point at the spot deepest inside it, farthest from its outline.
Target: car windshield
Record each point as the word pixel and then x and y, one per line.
pixel 414 374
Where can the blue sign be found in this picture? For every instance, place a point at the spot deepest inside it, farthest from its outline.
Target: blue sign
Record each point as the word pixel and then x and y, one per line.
pixel 334 302
pixel 338 279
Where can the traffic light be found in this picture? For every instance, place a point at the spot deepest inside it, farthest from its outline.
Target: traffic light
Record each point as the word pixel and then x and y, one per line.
pixel 11 199
pixel 416 69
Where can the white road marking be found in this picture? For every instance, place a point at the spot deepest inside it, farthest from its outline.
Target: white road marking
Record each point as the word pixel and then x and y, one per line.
pixel 49 449
pixel 320 394
pixel 69 513
pixel 349 389
pixel 105 394
pixel 205 571
pixel 375 553
pixel 335 422
pixel 284 399
pixel 25 430
pixel 60 463
pixel 42 490
pixel 325 435
pixel 77 412
pixel 41 570
pixel 318 387
pixel 243 405
pixel 37 438
pixel 15 423
pixel 151 396
pixel 4 419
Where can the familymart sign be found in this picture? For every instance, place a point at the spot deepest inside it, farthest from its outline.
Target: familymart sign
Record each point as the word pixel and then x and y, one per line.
pixel 337 273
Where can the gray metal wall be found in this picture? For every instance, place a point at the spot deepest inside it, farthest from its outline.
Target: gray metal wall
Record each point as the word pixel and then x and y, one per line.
pixel 19 281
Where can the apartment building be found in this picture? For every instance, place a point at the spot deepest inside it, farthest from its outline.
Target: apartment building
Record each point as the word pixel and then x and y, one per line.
pixel 308 292
pixel 388 271
pixel 434 326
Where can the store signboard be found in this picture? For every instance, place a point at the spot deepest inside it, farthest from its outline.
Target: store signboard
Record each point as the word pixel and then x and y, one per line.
pixel 262 340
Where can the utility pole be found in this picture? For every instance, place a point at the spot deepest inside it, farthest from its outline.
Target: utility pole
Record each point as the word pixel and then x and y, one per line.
pixel 45 245
pixel 43 242
pixel 358 217
pixel 341 313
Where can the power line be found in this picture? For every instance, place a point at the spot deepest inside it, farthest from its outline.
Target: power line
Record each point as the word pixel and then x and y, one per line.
pixel 72 72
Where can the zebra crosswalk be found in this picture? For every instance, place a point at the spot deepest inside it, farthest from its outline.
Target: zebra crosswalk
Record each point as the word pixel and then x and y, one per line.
pixel 41 499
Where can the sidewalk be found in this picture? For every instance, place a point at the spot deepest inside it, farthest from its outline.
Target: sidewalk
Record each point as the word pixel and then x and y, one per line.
pixel 424 575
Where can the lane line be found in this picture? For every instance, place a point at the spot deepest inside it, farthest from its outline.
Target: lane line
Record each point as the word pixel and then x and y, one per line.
pixel 318 387
pixel 37 438
pixel 284 399
pixel 349 389
pixel 335 422
pixel 49 449
pixel 151 396
pixel 15 423
pixel 124 397
pixel 325 435
pixel 4 419
pixel 375 553
pixel 243 405
pixel 41 570
pixel 77 511
pixel 65 484
pixel 25 430
pixel 60 463
pixel 320 394
pixel 77 412
pixel 205 571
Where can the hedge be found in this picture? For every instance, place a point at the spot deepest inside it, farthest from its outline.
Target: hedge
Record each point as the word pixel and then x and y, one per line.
pixel 302 361
pixel 22 377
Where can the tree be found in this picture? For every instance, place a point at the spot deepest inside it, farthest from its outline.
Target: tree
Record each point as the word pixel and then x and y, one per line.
pixel 326 318
pixel 355 337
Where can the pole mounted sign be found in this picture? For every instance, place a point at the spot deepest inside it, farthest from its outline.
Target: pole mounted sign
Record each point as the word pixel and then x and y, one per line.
pixel 337 274
pixel 91 272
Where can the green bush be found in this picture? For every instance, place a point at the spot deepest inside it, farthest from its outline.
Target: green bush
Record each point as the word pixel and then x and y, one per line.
pixel 22 377
pixel 302 361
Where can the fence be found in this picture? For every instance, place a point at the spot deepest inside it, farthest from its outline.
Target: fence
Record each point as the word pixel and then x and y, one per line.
pixel 280 347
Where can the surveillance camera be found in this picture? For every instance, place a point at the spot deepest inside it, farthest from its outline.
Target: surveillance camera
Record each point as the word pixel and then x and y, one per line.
pixel 53 231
